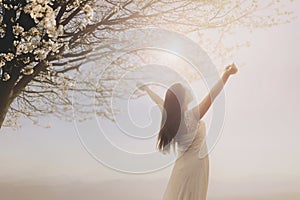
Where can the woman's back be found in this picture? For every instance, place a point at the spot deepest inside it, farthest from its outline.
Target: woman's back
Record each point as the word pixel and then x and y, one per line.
pixel 189 178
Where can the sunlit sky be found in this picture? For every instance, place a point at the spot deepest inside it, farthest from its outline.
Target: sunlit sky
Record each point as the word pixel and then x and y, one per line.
pixel 259 142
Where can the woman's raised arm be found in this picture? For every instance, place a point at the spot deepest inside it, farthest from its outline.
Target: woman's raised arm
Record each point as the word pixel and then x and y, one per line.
pixel 205 104
pixel 153 96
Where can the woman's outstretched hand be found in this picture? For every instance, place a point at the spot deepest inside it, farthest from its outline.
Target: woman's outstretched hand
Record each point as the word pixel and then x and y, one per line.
pixel 141 86
pixel 231 69
pixel 152 95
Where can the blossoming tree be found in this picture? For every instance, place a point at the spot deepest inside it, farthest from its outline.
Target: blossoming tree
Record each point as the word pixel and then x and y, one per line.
pixel 45 44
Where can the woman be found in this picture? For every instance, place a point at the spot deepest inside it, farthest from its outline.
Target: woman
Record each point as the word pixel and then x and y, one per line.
pixel 184 131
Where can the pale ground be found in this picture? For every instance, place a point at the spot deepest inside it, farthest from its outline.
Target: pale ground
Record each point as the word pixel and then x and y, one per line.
pixel 131 190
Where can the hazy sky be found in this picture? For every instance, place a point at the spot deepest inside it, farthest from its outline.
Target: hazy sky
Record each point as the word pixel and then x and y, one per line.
pixel 259 142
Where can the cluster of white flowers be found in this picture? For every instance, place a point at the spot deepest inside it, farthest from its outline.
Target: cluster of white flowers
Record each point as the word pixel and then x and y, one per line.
pixel 7 56
pixel 43 15
pixel 17 30
pixel 32 41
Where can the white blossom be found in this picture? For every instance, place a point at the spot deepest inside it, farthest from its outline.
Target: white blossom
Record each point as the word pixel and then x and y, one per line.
pixel 2 32
pixel 76 3
pixel 16 42
pixel 26 60
pixel 6 76
pixel 2 63
pixel 88 11
pixel 60 30
pixel 8 56
pixel 27 70
pixel 34 32
pixel 17 29
pixel 40 54
pixel 21 48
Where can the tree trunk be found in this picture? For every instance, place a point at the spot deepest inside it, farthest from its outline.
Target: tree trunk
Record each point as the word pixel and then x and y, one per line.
pixel 5 100
pixel 9 90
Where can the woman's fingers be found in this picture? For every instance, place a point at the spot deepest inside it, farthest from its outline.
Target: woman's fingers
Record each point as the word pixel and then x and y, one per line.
pixel 141 86
pixel 232 69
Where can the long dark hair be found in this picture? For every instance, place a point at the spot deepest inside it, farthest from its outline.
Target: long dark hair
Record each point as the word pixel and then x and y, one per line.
pixel 171 117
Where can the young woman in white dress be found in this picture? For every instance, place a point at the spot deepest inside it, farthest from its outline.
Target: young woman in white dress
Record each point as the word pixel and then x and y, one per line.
pixel 184 131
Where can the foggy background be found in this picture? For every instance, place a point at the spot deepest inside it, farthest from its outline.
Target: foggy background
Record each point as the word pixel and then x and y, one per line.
pixel 257 156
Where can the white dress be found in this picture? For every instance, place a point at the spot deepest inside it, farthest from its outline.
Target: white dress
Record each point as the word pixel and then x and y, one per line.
pixel 189 178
